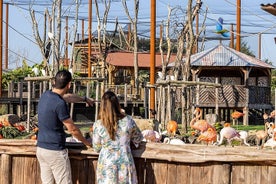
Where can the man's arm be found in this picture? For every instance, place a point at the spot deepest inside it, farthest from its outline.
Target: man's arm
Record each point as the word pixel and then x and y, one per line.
pixel 74 98
pixel 75 131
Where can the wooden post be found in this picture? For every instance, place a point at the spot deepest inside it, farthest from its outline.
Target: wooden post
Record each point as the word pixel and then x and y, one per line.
pixel 169 115
pixel 275 105
pixel 89 38
pixel 40 88
pixel 6 169
pixel 232 37
pixel 1 44
pixel 88 90
pixel 145 102
pixel 260 46
pixel 97 101
pixel 20 90
pixel 9 90
pixel 217 98
pixel 163 105
pixel 33 88
pixel 238 42
pixel 72 104
pixel 246 109
pixel 152 54
pixel 125 97
pixel 29 105
pixel 7 38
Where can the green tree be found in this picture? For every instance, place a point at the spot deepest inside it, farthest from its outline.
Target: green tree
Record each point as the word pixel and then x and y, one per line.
pixel 16 74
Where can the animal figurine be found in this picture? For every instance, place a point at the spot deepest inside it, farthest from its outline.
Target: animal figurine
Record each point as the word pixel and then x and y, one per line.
pixel 199 124
pixel 172 128
pixel 270 128
pixel 151 136
pixel 220 30
pixel 236 115
pixel 173 141
pixel 229 134
pixel 272 114
pixel 270 143
pixel 209 136
pixel 243 136
pixel 261 136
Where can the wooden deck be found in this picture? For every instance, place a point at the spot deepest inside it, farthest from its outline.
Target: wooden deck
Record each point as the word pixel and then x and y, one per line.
pixel 155 163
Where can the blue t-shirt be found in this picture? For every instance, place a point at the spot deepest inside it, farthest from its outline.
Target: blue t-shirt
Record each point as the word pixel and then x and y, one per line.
pixel 52 110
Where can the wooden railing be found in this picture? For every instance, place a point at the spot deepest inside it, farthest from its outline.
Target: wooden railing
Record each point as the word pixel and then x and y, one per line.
pixel 155 163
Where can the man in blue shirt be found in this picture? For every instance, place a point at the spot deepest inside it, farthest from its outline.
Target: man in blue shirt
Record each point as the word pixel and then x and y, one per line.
pixel 53 115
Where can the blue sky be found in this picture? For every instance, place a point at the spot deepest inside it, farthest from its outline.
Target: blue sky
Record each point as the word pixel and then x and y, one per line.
pixel 254 20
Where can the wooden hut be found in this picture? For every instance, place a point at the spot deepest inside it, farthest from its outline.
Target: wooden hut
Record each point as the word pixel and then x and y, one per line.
pixel 245 83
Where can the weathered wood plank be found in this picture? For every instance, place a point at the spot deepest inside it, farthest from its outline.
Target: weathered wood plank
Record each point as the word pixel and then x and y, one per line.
pixel 172 174
pixel 5 169
pixel 160 171
pixel 91 170
pixel 271 177
pixel 140 169
pixel 221 173
pixel 182 175
pixel 149 175
pixel 79 171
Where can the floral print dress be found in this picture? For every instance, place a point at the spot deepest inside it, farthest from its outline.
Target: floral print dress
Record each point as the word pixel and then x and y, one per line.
pixel 115 162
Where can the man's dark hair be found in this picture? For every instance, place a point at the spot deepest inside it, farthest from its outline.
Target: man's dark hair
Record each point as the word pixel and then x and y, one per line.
pixel 62 78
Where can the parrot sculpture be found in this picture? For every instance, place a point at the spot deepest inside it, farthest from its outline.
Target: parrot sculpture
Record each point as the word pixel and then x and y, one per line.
pixel 219 28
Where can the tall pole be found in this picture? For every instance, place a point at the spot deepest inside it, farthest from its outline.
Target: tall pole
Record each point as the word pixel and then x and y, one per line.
pixel 238 44
pixel 7 37
pixel 82 29
pixel 66 43
pixel 89 38
pixel 232 37
pixel 1 44
pixel 260 46
pixel 152 54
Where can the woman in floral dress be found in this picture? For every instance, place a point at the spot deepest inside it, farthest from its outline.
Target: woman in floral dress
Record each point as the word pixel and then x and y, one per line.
pixel 113 134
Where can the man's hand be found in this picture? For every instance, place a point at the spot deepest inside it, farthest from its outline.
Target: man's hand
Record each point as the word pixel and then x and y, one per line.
pixel 89 101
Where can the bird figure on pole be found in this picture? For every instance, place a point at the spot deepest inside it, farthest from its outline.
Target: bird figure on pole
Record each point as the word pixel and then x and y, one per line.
pixel 219 28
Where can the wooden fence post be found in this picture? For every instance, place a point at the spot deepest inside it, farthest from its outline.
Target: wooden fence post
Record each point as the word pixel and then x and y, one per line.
pixel 5 169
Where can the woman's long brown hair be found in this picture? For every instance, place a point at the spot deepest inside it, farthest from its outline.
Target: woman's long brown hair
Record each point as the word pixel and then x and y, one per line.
pixel 110 113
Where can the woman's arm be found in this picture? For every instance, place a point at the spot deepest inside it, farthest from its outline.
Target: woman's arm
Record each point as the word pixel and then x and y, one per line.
pixel 96 140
